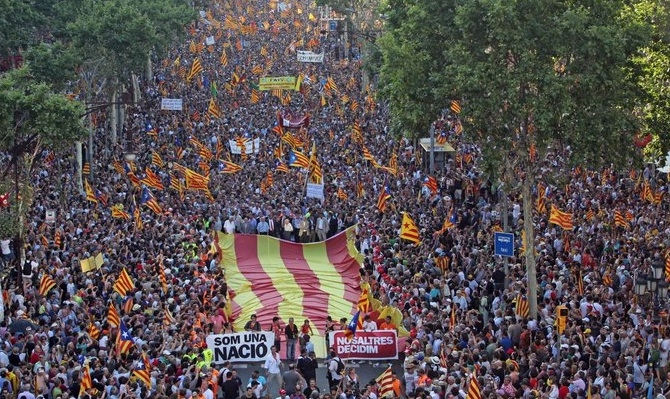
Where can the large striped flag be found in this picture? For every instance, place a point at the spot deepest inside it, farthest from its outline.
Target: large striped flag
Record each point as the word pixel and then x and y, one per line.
pixel 90 195
pixel 298 160
pixel 385 381
pixel 303 281
pixel 46 285
pixel 408 229
pixel 384 196
pixel 93 331
pixel 522 306
pixel 124 283
pixel 620 219
pixel 364 303
pixel 560 218
pixel 124 341
pixel 119 213
pixel 142 370
pixel 213 109
pixel 152 179
pixel 196 68
pixel 431 183
pixel 667 265
pixel 86 381
pixel 113 318
pixel 156 159
pixel 149 200
pixel 474 392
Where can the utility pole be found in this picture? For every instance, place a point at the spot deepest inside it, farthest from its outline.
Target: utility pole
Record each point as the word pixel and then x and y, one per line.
pixel 432 148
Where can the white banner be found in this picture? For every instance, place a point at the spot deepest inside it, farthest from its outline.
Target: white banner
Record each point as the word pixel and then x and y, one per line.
pixel 241 347
pixel 172 104
pixel 315 191
pixel 209 40
pixel 309 56
pixel 251 146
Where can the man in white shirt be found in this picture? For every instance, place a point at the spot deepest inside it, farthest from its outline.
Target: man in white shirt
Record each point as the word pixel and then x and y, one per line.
pixel 229 225
pixel 369 324
pixel 273 367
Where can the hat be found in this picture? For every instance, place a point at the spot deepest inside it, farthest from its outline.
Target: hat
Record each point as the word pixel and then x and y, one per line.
pixel 136 307
pixel 282 392
pixel 435 360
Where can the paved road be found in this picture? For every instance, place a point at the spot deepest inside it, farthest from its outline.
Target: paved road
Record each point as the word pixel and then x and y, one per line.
pixel 365 371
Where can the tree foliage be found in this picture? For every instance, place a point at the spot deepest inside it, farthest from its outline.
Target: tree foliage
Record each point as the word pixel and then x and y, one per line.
pixel 31 109
pixel 412 50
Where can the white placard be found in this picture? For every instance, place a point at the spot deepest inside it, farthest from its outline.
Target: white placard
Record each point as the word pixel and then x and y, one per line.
pixel 315 191
pixel 309 56
pixel 172 104
pixel 241 347
pixel 50 216
pixel 251 146
pixel 209 40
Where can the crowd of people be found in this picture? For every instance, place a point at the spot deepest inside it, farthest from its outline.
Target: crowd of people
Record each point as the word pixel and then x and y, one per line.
pixel 615 344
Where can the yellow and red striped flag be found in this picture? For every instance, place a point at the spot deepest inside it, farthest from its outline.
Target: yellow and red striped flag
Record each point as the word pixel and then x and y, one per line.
pixel 152 179
pixel 168 319
pixel 213 109
pixel 364 304
pixel 46 285
pixel 560 218
pixel 385 381
pixel 224 58
pixel 196 68
pixel 113 318
pixel 620 219
pixel 156 159
pixel 306 275
pixel 408 229
pixel 123 283
pixel 90 195
pixel 93 331
pixel 522 306
pixel 455 107
pixel 341 194
pixel 86 381
pixel 474 392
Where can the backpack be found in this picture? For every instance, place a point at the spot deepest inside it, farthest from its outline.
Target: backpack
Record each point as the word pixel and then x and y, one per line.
pixel 340 366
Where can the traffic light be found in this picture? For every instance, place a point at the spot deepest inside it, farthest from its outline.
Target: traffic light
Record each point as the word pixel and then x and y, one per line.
pixel 561 318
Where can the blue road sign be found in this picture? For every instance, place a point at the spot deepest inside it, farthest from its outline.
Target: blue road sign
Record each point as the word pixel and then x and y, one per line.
pixel 503 244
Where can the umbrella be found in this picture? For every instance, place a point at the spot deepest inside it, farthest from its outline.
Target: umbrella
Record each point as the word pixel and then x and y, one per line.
pixel 20 326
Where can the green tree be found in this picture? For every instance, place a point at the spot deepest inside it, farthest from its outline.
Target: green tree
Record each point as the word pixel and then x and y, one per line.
pixel 18 21
pixel 32 117
pixel 54 64
pixel 531 74
pixel 413 52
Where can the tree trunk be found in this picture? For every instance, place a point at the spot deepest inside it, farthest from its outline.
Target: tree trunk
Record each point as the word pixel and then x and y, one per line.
pixel 113 118
pixel 150 73
pixel 78 158
pixel 531 272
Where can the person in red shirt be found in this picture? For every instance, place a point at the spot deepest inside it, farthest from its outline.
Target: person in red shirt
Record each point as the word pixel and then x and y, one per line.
pixel 564 390
pixel 388 324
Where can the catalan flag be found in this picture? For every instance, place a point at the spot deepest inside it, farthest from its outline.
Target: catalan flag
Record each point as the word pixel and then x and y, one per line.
pixel 141 372
pixel 123 283
pixel 86 381
pixel 474 392
pixel 620 220
pixel 119 213
pixel 442 263
pixel 152 179
pixel 113 318
pixel 298 160
pixel 139 224
pixel 385 381
pixel 307 275
pixel 408 229
pixel 157 160
pixel 281 167
pixel 384 196
pixel 364 304
pixel 128 304
pixel 149 200
pixel 86 168
pixel 431 183
pixel 580 282
pixel 93 331
pixel 455 107
pixel 561 219
pixel 522 307
pixel 46 285
pixel 90 195
pixel 194 180
pixel 341 194
pixel 667 266
pixel 213 109
pixel 350 331
pixel 124 341
pixel 58 238
pixel 228 167
pixel 196 68
pixel 224 58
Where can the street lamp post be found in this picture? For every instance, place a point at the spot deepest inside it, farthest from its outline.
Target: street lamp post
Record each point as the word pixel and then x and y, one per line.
pixel 653 283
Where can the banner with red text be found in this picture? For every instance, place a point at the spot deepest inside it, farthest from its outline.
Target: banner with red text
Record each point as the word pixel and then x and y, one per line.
pixel 380 344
